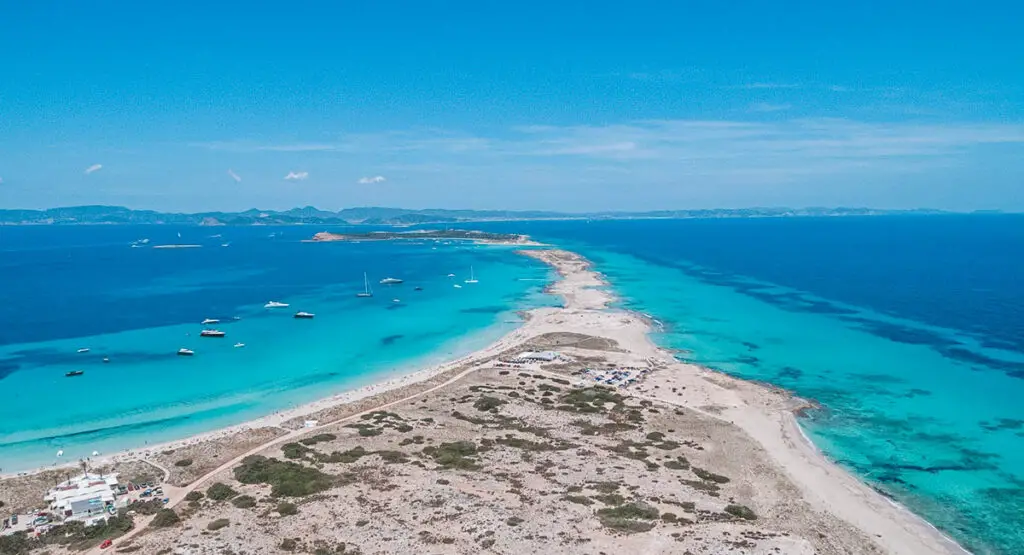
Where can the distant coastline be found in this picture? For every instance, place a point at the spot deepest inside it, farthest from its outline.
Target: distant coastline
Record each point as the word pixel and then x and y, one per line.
pixel 119 215
pixel 479 237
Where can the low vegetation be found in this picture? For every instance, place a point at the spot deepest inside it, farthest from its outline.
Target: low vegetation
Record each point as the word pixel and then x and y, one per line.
pixel 460 455
pixel 218 524
pixel 244 501
pixel 165 518
pixel 220 492
pixel 183 463
pixel 740 511
pixel 286 478
pixel 629 518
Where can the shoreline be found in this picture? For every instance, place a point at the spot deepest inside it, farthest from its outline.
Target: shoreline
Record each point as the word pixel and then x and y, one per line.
pixel 765 414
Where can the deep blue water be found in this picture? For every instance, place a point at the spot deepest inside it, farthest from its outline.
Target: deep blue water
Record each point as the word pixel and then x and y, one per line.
pixel 909 331
pixel 67 288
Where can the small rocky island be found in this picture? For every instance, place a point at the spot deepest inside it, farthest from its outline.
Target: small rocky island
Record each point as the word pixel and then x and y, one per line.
pixel 483 237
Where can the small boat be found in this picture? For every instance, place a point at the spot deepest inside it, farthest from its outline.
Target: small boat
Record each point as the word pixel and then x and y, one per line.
pixel 183 352
pixel 417 288
pixel 74 373
pixel 275 304
pixel 390 281
pixel 396 300
pixel 304 315
pixel 366 288
pixel 209 321
pixel 211 333
pixel 239 345
pixel 457 286
pixel 106 359
pixel 451 275
pixel 228 244
pixel 472 278
pixel 83 350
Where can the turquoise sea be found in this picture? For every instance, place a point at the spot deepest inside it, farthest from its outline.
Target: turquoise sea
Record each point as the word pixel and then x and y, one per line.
pixel 71 288
pixel 907 331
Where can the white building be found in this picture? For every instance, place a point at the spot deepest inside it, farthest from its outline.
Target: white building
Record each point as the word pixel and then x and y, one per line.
pixel 85 498
pixel 542 356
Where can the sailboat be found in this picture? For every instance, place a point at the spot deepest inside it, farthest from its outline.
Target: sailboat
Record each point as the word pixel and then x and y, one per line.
pixel 472 278
pixel 366 288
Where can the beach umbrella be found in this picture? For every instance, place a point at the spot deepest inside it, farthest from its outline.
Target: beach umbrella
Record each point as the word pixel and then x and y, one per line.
pixel 60 453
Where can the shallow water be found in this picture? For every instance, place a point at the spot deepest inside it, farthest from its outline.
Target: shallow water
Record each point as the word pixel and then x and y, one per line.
pixel 908 331
pixel 86 288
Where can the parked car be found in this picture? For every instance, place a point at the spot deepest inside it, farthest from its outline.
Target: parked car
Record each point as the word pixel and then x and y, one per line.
pixel 106 544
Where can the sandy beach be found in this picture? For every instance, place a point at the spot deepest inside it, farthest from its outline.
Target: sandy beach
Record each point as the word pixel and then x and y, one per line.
pixel 537 451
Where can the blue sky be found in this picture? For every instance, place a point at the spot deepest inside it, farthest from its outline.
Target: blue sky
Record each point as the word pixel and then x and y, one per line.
pixel 576 106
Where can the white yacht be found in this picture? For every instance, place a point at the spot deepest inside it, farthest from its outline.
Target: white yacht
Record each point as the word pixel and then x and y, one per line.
pixel 304 315
pixel 390 281
pixel 211 333
pixel 209 321
pixel 83 350
pixel 457 286
pixel 239 345
pixel 183 352
pixel 275 304
pixel 366 288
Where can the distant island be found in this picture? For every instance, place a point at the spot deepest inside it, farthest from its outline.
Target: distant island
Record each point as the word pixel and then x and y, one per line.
pixel 394 216
pixel 435 235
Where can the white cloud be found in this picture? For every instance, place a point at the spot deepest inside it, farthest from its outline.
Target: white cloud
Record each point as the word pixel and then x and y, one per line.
pixel 296 176
pixel 374 179
pixel 93 168
pixel 234 176
pixel 769 107
pixel 769 86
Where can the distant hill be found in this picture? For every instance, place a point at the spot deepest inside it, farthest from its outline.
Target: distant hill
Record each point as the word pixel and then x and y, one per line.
pixel 389 216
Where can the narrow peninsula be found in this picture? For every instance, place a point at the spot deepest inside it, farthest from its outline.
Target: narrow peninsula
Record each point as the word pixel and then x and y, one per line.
pixel 481 237
pixel 574 433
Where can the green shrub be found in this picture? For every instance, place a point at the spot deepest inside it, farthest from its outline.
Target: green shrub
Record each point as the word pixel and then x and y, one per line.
pixel 629 518
pixel 218 524
pixel 220 492
pixel 457 455
pixel 165 518
pixel 514 521
pixel 740 511
pixel 710 476
pixel 183 463
pixel 485 403
pixel 295 450
pixel 319 438
pixel 244 501
pixel 287 479
pixel 288 544
pixel 287 509
pixel 194 496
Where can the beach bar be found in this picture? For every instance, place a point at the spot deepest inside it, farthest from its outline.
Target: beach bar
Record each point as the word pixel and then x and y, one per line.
pixel 85 498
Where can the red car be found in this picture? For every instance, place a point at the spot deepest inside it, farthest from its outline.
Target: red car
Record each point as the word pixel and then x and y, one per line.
pixel 106 544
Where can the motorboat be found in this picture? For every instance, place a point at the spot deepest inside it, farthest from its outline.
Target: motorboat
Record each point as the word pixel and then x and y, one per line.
pixel 275 304
pixel 209 321
pixel 183 352
pixel 457 286
pixel 304 315
pixel 74 373
pixel 390 281
pixel 239 345
pixel 83 350
pixel 211 333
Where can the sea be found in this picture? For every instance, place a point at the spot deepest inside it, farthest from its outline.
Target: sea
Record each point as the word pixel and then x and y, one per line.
pixel 907 332
pixel 68 289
